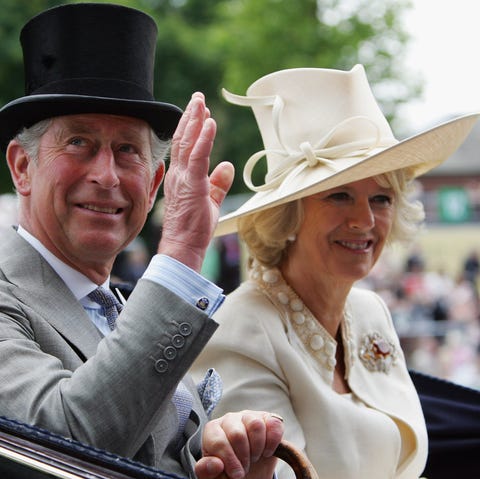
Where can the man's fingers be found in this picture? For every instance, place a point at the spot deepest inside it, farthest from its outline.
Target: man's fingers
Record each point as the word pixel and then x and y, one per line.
pixel 209 467
pixel 275 430
pixel 257 432
pixel 226 439
pixel 198 157
pixel 188 129
pixel 221 180
pixel 243 441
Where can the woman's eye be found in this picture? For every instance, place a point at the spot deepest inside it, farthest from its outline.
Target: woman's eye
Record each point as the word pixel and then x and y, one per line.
pixel 340 196
pixel 382 200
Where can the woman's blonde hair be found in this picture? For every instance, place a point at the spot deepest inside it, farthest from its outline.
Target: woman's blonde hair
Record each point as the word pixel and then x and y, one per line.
pixel 266 233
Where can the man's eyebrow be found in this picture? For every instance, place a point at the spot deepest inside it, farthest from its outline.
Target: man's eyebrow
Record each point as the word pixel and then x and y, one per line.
pixel 74 126
pixel 131 135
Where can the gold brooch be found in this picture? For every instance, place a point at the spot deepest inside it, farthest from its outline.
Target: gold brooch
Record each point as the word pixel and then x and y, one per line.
pixel 376 353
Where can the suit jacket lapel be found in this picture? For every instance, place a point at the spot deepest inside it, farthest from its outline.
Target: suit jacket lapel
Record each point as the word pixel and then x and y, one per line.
pixel 25 268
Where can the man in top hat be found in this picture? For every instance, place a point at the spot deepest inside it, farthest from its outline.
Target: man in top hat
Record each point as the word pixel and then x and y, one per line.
pixel 86 148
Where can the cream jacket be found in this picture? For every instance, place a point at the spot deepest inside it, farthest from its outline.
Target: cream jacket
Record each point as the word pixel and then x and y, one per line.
pixel 273 355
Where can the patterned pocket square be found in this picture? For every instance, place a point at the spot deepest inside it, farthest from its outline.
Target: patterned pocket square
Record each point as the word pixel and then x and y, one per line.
pixel 210 390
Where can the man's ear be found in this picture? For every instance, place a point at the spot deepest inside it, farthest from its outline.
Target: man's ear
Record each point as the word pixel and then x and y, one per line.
pixel 156 182
pixel 18 162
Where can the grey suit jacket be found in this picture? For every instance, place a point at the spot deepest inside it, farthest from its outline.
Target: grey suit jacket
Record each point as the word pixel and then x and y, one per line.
pixel 59 373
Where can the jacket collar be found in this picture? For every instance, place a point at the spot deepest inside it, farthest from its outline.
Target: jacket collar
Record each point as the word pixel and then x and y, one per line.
pixel 39 288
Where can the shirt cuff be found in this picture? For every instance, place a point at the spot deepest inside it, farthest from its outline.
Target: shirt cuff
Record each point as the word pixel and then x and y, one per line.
pixel 185 283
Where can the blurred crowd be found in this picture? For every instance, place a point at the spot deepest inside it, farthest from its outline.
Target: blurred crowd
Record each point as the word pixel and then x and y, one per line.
pixel 436 316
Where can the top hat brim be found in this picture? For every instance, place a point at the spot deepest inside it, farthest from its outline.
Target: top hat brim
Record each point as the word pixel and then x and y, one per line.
pixel 28 110
pixel 417 154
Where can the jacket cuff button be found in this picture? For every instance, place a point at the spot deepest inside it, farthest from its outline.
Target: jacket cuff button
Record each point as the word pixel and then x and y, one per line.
pixel 161 365
pixel 170 352
pixel 178 341
pixel 185 329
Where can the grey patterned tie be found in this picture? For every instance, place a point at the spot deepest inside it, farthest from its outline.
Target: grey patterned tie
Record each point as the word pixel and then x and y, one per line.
pixel 183 400
pixel 110 304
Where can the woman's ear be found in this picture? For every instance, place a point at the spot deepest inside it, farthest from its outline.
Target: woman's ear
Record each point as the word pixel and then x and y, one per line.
pixel 18 162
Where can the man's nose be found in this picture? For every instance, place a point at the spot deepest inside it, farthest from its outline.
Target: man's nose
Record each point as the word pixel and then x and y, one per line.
pixel 103 168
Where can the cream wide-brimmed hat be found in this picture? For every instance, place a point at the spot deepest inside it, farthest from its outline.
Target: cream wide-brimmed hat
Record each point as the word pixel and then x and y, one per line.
pixel 323 128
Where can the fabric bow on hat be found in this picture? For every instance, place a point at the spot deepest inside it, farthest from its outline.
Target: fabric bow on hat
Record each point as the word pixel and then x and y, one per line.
pixel 293 161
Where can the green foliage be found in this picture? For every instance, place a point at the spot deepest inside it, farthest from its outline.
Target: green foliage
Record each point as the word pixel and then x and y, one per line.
pixel 209 44
pixel 14 14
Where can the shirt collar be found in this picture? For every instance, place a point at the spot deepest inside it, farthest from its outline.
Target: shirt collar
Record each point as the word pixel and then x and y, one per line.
pixel 78 283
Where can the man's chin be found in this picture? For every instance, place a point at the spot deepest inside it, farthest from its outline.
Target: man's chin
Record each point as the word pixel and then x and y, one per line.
pixel 101 246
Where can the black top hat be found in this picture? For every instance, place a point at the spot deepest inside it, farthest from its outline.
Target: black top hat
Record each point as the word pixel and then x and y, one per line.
pixel 88 58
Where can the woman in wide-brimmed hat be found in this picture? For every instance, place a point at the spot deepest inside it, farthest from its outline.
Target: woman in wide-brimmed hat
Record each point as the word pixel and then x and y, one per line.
pixel 297 337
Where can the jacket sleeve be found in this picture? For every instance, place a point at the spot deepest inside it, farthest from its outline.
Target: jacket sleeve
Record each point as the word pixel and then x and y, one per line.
pixel 119 395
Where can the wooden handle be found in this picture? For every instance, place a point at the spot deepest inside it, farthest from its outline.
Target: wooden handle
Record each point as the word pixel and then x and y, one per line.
pixel 297 460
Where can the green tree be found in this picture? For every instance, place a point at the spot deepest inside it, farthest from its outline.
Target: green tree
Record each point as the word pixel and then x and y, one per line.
pixel 231 43
pixel 208 44
pixel 14 14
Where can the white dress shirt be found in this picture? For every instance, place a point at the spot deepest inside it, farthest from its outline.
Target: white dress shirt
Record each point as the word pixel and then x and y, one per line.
pixel 178 278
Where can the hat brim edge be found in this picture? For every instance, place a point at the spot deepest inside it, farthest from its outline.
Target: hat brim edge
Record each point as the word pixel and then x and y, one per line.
pixel 26 111
pixel 439 143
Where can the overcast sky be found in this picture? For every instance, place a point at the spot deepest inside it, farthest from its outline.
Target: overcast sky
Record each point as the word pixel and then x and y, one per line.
pixel 446 51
